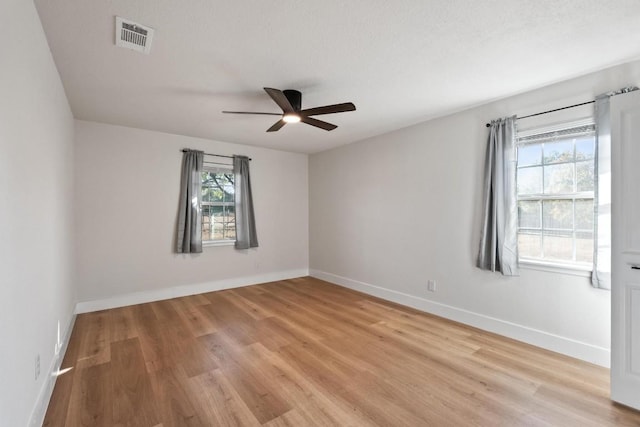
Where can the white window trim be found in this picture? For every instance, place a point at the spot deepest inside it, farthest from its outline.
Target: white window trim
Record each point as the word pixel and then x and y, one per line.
pixel 553 267
pixel 207 243
pixel 548 265
pixel 587 121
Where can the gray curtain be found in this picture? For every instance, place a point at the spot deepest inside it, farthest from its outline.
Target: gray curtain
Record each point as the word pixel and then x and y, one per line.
pixel 601 274
pixel 246 236
pixel 499 242
pixel 189 229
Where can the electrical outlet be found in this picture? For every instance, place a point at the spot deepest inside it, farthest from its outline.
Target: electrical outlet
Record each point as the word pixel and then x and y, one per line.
pixel 431 285
pixel 37 367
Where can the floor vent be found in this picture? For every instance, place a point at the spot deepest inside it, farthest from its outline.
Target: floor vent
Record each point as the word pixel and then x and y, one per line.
pixel 131 35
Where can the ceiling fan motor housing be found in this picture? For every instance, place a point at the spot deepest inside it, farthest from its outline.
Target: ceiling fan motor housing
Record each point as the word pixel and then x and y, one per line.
pixel 294 97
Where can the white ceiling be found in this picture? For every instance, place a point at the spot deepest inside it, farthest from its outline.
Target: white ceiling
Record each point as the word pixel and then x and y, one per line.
pixel 400 62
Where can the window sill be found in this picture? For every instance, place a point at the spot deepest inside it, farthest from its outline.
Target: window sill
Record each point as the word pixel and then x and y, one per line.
pixel 572 270
pixel 218 243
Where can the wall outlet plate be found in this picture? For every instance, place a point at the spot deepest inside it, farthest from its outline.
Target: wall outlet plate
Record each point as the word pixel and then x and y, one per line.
pixel 431 285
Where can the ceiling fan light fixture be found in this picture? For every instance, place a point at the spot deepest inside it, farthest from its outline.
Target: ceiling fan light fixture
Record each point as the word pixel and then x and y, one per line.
pixel 291 118
pixel 290 102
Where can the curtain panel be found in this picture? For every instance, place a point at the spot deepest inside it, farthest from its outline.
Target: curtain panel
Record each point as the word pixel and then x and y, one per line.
pixel 499 240
pixel 189 227
pixel 246 235
pixel 601 274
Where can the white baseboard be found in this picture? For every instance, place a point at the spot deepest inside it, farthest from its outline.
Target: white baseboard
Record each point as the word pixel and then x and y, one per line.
pixel 40 408
pixel 185 290
pixel 583 351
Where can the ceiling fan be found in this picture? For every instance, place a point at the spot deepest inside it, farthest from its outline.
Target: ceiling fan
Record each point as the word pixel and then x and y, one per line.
pixel 290 101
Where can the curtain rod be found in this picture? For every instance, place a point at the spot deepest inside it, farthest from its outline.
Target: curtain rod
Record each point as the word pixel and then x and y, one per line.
pixel 184 150
pixel 551 111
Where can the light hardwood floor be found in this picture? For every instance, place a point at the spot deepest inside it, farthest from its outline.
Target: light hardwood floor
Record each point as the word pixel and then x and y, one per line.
pixel 304 352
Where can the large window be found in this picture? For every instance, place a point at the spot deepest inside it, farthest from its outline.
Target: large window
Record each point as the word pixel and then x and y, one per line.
pixel 218 211
pixel 556 181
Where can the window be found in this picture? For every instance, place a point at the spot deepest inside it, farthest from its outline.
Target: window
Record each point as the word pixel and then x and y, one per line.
pixel 218 209
pixel 555 184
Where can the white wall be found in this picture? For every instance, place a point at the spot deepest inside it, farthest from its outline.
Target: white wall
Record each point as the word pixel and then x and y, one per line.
pixel 36 199
pixel 391 212
pixel 128 183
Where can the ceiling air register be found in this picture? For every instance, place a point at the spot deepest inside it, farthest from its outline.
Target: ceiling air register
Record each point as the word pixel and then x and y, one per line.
pixel 132 35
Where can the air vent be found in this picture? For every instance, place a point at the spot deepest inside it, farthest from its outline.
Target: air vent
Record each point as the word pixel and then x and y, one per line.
pixel 131 35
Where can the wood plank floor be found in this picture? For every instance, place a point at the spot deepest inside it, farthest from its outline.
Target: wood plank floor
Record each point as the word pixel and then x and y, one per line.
pixel 304 352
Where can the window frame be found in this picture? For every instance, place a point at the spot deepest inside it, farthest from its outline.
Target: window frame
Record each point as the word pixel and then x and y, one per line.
pixel 217 169
pixel 528 137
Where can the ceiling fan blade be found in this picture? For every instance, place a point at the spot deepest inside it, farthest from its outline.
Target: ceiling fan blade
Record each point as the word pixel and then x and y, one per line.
pixel 276 126
pixel 329 109
pixel 280 99
pixel 252 112
pixel 317 123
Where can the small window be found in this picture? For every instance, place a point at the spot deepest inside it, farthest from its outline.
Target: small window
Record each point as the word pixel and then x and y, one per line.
pixel 555 183
pixel 218 208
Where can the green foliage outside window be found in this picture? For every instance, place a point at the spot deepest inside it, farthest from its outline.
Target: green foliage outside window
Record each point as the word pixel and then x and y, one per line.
pixel 218 210
pixel 555 184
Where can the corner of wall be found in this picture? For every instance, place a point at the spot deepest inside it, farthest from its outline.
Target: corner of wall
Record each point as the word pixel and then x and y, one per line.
pixel 42 402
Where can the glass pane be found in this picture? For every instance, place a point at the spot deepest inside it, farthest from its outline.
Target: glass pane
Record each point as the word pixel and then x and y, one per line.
pixel 224 181
pixel 210 193
pixel 584 247
pixel 229 223
pixel 560 151
pixel 218 222
pixel 558 179
pixel 224 223
pixel 529 154
pixel 530 180
pixel 217 194
pixel 558 246
pixel 529 214
pixel 557 214
pixel 229 192
pixel 218 216
pixel 207 223
pixel 217 187
pixel 205 189
pixel 585 148
pixel 529 244
pixel 584 214
pixel 585 176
